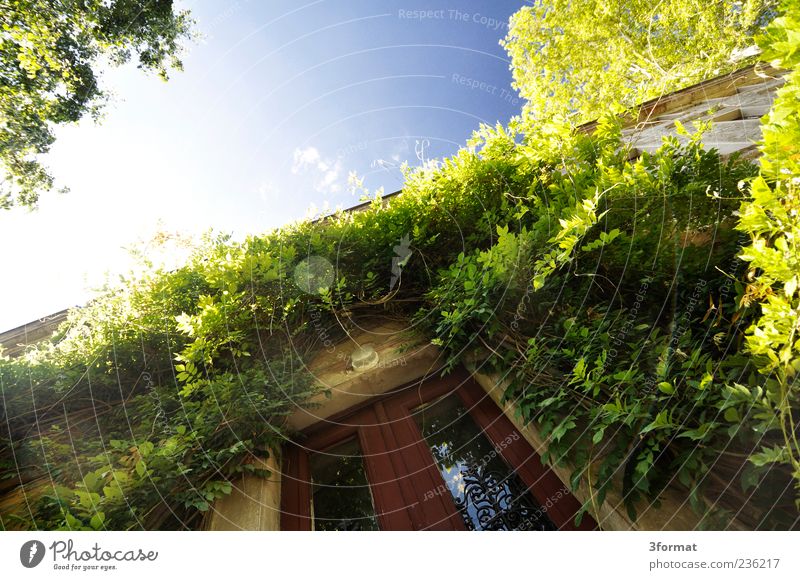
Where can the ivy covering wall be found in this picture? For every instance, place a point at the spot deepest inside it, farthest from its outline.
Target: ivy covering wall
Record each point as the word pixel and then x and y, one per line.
pixel 645 312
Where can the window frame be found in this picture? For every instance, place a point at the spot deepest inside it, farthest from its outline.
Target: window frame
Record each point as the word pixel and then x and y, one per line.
pixel 400 467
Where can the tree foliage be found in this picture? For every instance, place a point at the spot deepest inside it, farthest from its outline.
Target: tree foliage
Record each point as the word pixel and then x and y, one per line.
pixel 50 57
pixel 771 217
pixel 577 59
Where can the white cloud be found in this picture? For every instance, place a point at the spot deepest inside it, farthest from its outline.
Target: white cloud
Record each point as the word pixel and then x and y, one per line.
pixel 329 181
pixel 325 171
pixel 267 191
pixel 304 158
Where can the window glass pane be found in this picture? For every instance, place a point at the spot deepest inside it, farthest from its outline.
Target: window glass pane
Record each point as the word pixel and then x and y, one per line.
pixel 341 497
pixel 487 492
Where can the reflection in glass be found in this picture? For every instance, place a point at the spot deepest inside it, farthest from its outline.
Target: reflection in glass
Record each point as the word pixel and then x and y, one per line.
pixel 341 498
pixel 487 492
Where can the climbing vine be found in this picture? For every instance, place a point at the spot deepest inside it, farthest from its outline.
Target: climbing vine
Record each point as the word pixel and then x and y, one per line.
pixel 771 217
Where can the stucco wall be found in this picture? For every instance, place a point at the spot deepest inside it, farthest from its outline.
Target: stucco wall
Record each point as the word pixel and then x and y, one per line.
pixel 254 503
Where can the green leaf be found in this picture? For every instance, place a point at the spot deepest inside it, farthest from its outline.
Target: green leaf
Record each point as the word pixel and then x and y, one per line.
pixel 700 433
pixel 579 516
pixel 97 520
pixel 72 521
pixel 767 455
pixel 91 481
pixel 790 287
pixel 562 429
pixel 662 421
pixel 666 388
pixel 732 415
pixel 113 491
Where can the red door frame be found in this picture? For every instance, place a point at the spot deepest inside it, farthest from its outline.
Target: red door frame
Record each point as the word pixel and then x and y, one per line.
pixel 403 477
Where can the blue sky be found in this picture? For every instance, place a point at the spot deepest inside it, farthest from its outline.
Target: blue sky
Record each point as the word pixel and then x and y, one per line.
pixel 278 103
